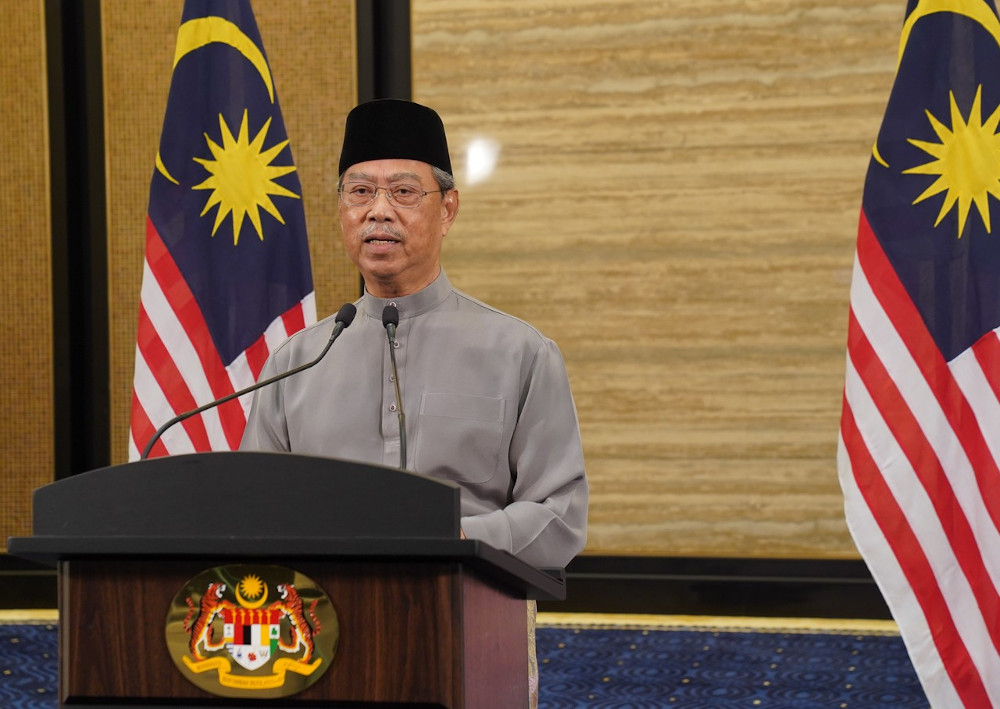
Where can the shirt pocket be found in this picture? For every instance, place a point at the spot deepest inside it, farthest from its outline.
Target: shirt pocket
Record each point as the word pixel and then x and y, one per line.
pixel 459 437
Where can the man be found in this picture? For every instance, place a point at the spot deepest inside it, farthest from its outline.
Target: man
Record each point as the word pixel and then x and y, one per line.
pixel 486 396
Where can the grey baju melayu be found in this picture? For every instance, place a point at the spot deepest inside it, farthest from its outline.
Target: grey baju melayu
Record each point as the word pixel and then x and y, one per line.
pixel 487 405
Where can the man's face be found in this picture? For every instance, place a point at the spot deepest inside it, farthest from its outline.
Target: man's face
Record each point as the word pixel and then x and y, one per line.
pixel 397 249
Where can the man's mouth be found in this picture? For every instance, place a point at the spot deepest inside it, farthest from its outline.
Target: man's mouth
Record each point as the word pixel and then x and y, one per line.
pixel 380 236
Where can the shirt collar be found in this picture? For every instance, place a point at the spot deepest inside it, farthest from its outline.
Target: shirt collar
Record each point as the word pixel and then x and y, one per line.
pixel 409 305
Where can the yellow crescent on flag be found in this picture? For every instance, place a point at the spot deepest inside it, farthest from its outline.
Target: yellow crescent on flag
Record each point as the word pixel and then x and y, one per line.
pixel 197 33
pixel 975 10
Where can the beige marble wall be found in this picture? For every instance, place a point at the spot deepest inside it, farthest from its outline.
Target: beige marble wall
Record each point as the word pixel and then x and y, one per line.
pixel 675 202
pixel 26 431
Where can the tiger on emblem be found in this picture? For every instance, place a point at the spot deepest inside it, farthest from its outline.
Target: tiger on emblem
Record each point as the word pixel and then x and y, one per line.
pixel 201 632
pixel 302 633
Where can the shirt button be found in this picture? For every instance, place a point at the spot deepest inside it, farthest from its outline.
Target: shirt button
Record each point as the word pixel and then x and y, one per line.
pixel 392 378
pixel 392 407
pixel 395 343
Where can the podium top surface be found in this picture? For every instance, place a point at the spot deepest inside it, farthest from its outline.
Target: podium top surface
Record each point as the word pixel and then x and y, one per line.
pixel 247 504
pixel 247 494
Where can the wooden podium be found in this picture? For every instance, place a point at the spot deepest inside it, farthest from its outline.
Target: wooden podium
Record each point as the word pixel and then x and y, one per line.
pixel 424 618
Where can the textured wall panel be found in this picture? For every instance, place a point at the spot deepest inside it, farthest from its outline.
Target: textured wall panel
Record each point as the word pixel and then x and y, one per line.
pixel 310 46
pixel 675 202
pixel 26 456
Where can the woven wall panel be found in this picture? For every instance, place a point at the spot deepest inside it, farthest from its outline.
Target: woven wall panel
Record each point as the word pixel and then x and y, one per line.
pixel 26 455
pixel 310 46
pixel 675 203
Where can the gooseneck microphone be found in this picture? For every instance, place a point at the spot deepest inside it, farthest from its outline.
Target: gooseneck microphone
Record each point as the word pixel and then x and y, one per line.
pixel 390 319
pixel 345 316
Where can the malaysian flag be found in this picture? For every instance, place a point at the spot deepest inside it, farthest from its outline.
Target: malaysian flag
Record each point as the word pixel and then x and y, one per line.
pixel 920 431
pixel 226 276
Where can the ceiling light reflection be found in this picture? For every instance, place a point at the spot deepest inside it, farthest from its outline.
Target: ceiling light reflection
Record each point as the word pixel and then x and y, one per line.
pixel 480 159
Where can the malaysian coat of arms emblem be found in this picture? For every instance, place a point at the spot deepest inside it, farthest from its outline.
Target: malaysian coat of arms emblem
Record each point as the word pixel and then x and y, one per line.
pixel 252 631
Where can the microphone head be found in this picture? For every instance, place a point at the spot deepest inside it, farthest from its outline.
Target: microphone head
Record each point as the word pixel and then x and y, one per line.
pixel 346 314
pixel 390 316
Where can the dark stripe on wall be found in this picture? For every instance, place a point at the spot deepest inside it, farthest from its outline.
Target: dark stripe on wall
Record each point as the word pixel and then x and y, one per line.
pixel 384 67
pixel 79 237
pixel 796 588
pixel 26 585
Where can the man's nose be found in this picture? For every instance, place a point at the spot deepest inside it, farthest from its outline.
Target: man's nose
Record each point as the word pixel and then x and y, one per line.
pixel 381 206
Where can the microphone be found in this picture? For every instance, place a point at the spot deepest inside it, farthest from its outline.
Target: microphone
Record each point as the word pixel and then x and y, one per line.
pixel 345 316
pixel 390 319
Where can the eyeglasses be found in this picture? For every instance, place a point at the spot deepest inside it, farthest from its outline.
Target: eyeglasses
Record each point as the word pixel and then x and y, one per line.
pixel 361 194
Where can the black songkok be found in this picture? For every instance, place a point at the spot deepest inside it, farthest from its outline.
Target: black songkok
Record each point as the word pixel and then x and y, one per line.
pixel 394 129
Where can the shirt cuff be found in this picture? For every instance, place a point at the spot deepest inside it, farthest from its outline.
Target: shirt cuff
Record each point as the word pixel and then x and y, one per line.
pixel 492 528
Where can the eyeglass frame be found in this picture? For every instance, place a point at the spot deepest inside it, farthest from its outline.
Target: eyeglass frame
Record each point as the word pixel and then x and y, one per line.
pixel 388 194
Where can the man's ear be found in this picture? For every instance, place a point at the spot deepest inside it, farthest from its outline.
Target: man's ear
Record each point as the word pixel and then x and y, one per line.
pixel 449 209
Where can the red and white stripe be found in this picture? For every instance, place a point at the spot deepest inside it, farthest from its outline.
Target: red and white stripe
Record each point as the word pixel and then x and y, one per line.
pixel 177 367
pixel 918 461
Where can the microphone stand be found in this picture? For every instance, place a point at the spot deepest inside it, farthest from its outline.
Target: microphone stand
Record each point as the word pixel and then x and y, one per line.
pixel 390 319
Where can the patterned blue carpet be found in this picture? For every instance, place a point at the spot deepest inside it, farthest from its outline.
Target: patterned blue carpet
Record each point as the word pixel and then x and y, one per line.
pixel 28 665
pixel 647 667
pixel 636 666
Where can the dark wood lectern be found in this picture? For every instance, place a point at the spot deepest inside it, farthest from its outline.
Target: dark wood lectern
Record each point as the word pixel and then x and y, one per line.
pixel 425 618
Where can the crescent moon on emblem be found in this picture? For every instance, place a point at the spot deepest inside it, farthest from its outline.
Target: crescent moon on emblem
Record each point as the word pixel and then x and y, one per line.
pixel 197 33
pixel 975 10
pixel 247 604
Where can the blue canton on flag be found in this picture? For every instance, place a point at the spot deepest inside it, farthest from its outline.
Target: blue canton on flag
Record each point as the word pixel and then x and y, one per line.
pixel 227 274
pixel 936 177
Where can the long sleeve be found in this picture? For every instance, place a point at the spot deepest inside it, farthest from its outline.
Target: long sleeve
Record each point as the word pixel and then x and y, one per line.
pixel 545 523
